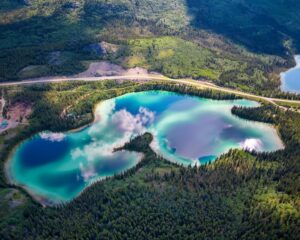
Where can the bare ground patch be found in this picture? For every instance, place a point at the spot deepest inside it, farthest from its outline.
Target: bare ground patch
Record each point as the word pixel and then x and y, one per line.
pixel 105 68
pixel 16 114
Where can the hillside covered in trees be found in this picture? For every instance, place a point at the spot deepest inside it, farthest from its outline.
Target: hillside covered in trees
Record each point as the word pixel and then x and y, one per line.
pixel 235 44
pixel 181 38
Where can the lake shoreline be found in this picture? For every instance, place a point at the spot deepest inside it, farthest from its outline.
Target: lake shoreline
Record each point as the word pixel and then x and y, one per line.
pixel 46 201
pixel 7 167
pixel 287 84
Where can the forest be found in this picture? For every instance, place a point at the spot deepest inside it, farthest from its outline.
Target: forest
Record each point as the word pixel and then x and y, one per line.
pixel 236 44
pixel 53 37
pixel 242 195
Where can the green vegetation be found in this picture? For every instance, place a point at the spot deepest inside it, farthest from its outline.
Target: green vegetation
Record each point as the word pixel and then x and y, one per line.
pixel 178 58
pixel 173 57
pixel 7 5
pixel 267 114
pixel 64 106
pixel 262 25
pixel 292 106
pixel 236 44
pixel 240 196
pixel 52 37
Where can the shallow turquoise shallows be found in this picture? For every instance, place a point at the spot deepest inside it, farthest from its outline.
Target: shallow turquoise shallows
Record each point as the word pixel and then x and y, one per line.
pixel 291 79
pixel 187 130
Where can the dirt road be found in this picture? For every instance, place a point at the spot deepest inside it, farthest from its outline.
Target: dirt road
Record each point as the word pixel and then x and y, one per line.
pixel 140 77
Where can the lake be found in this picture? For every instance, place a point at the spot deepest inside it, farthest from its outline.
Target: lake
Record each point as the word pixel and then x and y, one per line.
pixel 291 79
pixel 187 130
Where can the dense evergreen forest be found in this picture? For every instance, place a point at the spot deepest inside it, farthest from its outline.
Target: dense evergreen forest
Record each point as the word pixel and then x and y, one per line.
pixel 232 43
pixel 181 38
pixel 242 195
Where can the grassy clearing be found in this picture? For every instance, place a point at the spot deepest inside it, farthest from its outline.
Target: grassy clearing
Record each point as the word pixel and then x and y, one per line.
pixel 173 57
pixel 288 105
pixel 178 58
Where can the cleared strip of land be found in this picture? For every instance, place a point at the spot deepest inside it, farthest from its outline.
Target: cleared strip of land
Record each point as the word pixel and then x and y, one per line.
pixel 202 84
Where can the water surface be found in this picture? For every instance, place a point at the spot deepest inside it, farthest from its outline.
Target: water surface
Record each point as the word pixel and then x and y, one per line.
pixel 291 78
pixel 187 130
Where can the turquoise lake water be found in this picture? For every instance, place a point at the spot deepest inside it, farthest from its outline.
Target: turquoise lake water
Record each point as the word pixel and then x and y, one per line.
pixel 291 79
pixel 187 130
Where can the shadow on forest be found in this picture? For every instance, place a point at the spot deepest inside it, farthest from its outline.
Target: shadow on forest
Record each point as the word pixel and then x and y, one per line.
pixel 256 27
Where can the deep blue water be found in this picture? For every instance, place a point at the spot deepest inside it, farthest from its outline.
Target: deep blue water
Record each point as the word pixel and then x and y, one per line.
pixel 291 78
pixel 187 130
